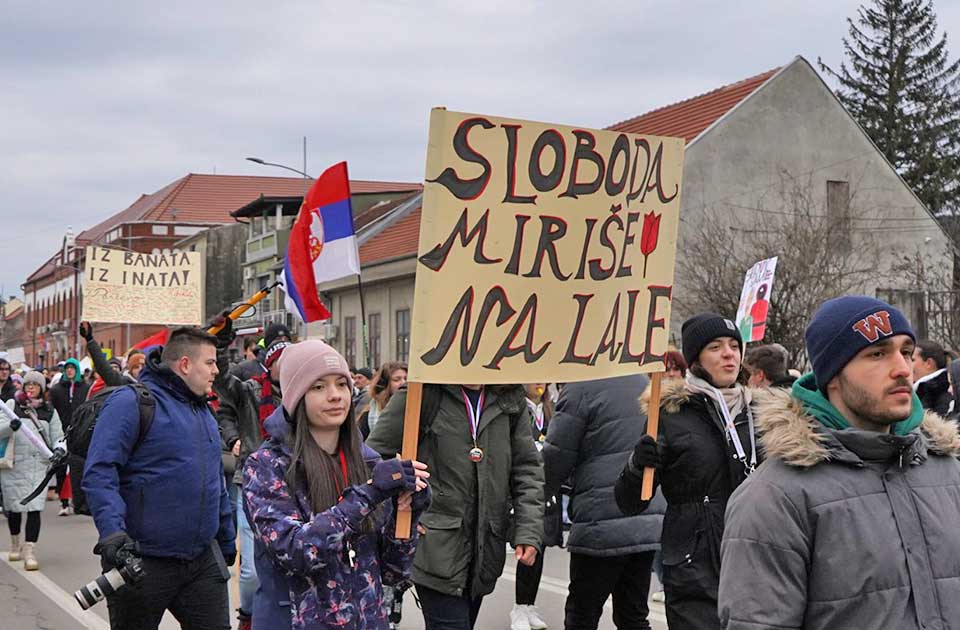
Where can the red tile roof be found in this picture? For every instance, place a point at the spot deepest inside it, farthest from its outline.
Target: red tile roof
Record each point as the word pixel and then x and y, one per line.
pixel 208 199
pixel 379 210
pixel 44 269
pixel 396 241
pixel 688 119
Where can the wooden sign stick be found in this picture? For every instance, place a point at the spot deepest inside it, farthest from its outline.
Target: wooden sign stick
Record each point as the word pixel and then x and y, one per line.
pixel 411 434
pixel 653 424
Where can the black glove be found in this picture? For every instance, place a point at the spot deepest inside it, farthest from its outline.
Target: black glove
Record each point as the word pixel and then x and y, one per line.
pixel 393 476
pixel 86 331
pixel 15 424
pixel 109 546
pixel 646 454
pixel 230 558
pixel 225 335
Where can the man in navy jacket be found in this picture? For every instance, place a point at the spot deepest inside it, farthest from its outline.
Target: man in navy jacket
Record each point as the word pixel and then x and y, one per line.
pixel 166 491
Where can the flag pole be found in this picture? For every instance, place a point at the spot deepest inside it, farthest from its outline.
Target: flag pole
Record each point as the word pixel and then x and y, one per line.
pixel 363 327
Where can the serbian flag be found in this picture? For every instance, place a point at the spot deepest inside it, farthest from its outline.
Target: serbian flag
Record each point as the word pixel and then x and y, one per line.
pixel 322 245
pixel 157 339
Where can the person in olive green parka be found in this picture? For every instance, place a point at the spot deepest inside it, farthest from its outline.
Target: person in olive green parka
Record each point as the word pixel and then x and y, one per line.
pixel 465 531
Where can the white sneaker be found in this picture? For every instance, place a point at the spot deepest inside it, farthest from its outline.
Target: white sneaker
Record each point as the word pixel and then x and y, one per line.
pixel 535 618
pixel 658 597
pixel 65 511
pixel 518 618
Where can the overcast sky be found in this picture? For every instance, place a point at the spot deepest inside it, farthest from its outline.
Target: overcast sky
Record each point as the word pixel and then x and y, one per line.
pixel 103 101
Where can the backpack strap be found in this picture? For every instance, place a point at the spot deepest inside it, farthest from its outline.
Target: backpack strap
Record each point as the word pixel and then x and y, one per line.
pixel 147 406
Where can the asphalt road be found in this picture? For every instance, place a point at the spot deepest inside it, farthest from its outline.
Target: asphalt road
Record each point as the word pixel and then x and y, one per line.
pixel 44 598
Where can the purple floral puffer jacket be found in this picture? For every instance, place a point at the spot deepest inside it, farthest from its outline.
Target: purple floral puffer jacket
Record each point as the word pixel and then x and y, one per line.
pixel 334 572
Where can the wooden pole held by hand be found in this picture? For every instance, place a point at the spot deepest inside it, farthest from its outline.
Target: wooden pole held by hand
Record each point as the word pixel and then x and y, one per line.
pixel 411 434
pixel 653 423
pixel 243 308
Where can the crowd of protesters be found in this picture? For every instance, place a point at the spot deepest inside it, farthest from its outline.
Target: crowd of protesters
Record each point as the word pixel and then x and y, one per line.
pixel 782 500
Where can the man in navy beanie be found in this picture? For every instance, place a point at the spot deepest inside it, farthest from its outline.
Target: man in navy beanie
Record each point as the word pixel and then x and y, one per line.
pixel 851 520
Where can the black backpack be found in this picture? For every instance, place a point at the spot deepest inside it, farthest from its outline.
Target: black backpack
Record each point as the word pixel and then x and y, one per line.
pixel 84 419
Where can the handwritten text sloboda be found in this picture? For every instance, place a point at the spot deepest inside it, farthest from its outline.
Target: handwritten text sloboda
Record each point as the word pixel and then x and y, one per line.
pixel 546 252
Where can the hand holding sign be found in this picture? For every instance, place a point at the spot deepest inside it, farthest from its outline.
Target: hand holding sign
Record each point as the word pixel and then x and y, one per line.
pixel 546 254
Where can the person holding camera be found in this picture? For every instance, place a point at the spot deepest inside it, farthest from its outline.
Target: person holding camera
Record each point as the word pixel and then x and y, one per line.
pixel 162 494
pixel 323 505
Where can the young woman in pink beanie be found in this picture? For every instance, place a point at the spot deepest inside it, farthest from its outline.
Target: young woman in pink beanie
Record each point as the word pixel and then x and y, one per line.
pixel 323 506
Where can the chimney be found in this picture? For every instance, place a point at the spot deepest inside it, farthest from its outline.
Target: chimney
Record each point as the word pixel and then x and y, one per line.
pixel 69 241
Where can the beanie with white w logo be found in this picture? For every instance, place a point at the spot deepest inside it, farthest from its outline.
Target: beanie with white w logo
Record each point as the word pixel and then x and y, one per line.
pixel 844 326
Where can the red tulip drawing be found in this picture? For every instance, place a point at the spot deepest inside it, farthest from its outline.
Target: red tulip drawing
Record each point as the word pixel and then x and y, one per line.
pixel 649 236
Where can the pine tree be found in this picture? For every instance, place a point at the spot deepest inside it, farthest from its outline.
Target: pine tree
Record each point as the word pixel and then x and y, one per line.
pixel 900 86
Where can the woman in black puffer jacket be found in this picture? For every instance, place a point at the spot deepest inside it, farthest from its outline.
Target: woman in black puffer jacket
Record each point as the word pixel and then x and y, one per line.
pixel 700 461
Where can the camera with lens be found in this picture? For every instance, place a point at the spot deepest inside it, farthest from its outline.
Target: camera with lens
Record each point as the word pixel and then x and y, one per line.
pixel 129 570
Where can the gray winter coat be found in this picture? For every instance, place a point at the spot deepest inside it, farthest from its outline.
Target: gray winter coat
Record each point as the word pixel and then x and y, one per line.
pixel 844 529
pixel 591 436
pixel 29 465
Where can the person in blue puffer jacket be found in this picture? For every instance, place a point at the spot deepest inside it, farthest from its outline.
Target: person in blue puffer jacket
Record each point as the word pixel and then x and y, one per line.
pixel 323 505
pixel 165 492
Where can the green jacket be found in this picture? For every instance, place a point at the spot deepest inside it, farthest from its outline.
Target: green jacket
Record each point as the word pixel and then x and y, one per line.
pixel 468 521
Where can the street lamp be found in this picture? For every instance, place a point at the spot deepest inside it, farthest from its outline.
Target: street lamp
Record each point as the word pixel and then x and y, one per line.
pixel 261 162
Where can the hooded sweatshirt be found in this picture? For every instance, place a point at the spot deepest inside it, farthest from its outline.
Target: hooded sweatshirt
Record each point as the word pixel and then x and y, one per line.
pixel 67 395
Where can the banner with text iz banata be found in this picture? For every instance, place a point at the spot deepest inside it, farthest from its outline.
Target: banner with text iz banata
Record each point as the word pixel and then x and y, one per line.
pixel 546 252
pixel 136 288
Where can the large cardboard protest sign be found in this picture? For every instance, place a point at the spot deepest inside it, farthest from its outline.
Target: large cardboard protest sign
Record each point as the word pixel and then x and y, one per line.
pixel 131 287
pixel 546 252
pixel 755 300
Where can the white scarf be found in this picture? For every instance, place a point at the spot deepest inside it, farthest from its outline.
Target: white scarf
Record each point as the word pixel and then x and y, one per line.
pixel 734 398
pixel 730 402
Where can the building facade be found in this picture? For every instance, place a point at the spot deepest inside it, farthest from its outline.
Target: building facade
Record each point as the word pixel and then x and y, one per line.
pixel 268 221
pixel 155 222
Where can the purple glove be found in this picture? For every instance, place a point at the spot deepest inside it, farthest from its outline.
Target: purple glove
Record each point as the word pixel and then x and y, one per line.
pixel 393 476
pixel 421 501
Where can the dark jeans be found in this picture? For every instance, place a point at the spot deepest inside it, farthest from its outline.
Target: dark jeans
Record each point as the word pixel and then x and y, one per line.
pixel 528 581
pixel 195 591
pixel 447 612
pixel 594 578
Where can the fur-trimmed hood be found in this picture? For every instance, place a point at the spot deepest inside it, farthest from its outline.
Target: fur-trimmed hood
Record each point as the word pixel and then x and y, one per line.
pixel 789 433
pixel 673 395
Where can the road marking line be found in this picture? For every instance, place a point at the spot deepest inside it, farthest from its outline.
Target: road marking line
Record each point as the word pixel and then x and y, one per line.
pixel 559 587
pixel 63 599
